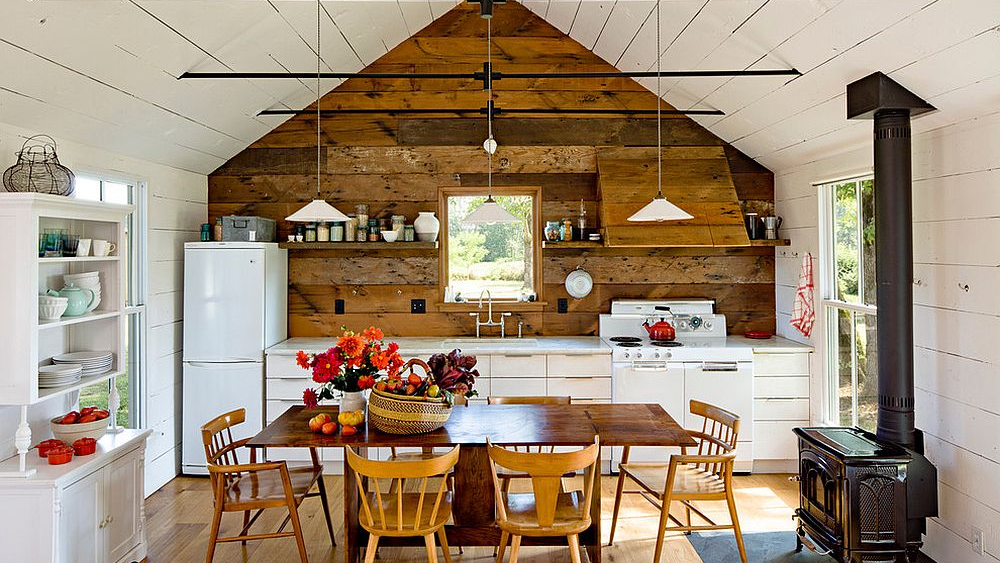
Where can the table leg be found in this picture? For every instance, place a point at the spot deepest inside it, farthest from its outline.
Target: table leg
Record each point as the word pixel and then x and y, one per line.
pixel 594 546
pixel 474 502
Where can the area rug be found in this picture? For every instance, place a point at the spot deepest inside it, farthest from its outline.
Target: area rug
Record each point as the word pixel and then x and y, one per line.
pixel 762 547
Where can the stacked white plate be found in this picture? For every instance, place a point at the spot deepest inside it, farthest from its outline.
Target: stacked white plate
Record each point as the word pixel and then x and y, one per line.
pixel 91 362
pixel 87 280
pixel 57 375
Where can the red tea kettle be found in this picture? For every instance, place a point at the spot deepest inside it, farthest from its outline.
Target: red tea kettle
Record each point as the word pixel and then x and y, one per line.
pixel 661 330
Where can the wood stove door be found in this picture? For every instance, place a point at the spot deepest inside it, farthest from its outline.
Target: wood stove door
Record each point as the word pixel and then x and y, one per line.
pixel 820 490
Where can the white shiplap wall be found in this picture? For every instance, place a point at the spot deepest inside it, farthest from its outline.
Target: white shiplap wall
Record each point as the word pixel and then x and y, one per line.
pixel 956 228
pixel 177 205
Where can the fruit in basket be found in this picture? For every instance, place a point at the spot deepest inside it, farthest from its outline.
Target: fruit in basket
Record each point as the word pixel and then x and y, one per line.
pixel 433 391
pixel 348 430
pixel 414 379
pixel 351 418
pixel 330 428
pixel 70 418
pixel 316 423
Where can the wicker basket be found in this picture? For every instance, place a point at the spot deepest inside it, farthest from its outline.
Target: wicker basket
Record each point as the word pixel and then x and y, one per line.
pixel 403 414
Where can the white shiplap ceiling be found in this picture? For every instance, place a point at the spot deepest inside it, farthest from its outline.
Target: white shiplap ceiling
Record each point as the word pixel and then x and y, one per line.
pixel 103 72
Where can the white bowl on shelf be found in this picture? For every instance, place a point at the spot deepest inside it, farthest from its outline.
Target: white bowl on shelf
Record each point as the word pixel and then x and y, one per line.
pixel 70 433
pixel 51 308
pixel 87 280
pixel 390 236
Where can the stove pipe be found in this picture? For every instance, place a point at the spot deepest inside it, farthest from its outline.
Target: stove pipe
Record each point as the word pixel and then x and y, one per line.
pixel 891 106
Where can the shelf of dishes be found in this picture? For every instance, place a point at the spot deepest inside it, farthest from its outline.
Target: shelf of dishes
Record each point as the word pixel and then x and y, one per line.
pixel 74 370
pixel 86 317
pixel 79 297
pixel 77 385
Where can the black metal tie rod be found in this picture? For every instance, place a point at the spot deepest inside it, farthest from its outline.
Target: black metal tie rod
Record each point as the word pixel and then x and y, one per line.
pixel 496 111
pixel 480 75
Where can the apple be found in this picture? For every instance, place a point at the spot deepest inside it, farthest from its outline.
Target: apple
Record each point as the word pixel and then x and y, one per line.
pixel 329 428
pixel 411 389
pixel 316 423
pixel 381 386
pixel 348 430
pixel 414 380
pixel 433 391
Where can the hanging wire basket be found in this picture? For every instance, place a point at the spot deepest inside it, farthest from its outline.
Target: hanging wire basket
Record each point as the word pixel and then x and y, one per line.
pixel 38 169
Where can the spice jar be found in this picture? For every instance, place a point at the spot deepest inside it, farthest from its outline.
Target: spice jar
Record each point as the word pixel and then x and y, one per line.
pixel 323 232
pixel 397 223
pixel 350 227
pixel 361 234
pixel 374 233
pixel 337 232
pixel 311 232
pixel 409 234
pixel 218 230
pixel 552 231
pixel 361 210
pixel 566 234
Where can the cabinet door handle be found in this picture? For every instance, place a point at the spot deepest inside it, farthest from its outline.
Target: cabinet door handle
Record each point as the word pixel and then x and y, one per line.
pixel 103 524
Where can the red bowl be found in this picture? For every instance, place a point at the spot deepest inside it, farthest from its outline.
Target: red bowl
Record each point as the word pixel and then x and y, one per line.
pixel 84 446
pixel 60 455
pixel 45 446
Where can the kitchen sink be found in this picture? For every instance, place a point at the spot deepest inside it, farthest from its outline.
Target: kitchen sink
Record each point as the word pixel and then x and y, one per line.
pixel 481 343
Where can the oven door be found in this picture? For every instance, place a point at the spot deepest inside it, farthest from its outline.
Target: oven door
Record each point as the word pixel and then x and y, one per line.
pixel 649 382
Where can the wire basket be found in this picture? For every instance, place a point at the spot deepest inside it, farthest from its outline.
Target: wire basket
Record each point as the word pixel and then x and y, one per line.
pixel 38 169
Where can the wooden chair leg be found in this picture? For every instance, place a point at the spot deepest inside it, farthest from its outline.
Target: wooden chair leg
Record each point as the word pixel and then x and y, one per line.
pixel 736 525
pixel 372 550
pixel 432 556
pixel 293 511
pixel 687 509
pixel 500 549
pixel 662 529
pixel 326 510
pixel 619 492
pixel 214 534
pixel 574 548
pixel 515 547
pixel 443 539
pixel 505 486
pixel 246 520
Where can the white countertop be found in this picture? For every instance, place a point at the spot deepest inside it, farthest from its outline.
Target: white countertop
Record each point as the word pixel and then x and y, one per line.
pixel 110 446
pixel 420 346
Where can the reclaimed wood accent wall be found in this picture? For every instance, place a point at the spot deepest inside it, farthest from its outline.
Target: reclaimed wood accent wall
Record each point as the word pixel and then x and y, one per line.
pixel 396 163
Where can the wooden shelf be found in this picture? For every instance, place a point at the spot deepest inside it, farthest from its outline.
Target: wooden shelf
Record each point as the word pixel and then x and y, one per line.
pixel 360 246
pixel 573 244
pixel 84 382
pixel 72 259
pixel 86 317
pixel 774 242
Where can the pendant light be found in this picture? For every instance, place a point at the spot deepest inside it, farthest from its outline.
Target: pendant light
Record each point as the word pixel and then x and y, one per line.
pixel 490 211
pixel 318 210
pixel 659 209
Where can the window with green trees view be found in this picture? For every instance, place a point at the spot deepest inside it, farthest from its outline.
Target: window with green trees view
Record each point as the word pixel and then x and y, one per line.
pixel 498 257
pixel 849 301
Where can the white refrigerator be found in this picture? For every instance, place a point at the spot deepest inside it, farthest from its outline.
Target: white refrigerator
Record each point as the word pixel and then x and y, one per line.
pixel 235 306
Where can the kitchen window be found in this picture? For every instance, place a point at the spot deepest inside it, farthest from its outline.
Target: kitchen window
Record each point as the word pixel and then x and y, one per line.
pixel 848 289
pixel 133 253
pixel 502 258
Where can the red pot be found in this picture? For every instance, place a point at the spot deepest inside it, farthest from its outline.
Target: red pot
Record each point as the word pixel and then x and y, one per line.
pixel 60 455
pixel 85 446
pixel 44 447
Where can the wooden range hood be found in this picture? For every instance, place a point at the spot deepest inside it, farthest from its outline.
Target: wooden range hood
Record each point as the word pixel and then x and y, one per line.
pixel 695 178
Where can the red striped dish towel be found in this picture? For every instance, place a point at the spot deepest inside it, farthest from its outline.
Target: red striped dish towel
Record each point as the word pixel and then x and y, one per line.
pixel 803 311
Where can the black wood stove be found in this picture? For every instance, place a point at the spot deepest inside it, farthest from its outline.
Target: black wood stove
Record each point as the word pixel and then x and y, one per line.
pixel 865 498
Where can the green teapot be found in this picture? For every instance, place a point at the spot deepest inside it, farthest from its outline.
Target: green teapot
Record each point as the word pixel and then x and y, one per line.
pixel 79 299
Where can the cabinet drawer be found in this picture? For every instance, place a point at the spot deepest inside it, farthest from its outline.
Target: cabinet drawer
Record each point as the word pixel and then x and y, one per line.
pixel 517 386
pixel 775 440
pixel 282 366
pixel 283 389
pixel 781 364
pixel 781 409
pixel 566 365
pixel 580 387
pixel 781 387
pixel 513 365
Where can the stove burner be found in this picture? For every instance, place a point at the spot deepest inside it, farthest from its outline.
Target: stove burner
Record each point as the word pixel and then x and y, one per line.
pixel 667 343
pixel 625 339
pixel 629 344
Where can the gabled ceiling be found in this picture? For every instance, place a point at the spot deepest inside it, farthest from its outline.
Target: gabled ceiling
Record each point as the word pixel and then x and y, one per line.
pixel 103 72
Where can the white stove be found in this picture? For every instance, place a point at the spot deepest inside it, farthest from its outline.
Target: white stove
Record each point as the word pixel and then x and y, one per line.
pixel 698 364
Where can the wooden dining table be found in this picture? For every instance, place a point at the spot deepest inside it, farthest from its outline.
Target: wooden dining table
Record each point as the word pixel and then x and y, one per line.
pixel 474 503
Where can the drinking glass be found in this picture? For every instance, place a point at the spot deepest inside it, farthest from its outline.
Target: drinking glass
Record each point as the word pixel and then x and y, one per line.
pixel 53 243
pixel 70 244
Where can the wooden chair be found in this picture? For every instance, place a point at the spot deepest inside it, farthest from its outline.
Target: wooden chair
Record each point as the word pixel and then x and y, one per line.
pixel 546 511
pixel 256 486
pixel 506 475
pixel 705 475
pixel 399 514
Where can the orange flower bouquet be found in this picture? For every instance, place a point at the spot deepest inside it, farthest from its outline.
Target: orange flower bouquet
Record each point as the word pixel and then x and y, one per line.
pixel 351 366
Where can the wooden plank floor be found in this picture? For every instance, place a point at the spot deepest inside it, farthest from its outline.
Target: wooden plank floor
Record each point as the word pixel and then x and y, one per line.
pixel 179 514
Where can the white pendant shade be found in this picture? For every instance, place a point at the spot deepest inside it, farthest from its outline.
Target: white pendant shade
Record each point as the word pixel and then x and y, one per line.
pixel 490 212
pixel 317 210
pixel 660 210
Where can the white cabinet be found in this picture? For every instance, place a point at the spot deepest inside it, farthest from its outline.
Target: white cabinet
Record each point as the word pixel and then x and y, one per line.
pixel 781 403
pixel 87 511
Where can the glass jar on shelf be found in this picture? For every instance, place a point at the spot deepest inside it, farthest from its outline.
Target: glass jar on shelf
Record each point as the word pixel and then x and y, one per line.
pixel 350 227
pixel 409 234
pixel 311 232
pixel 552 231
pixel 337 232
pixel 323 232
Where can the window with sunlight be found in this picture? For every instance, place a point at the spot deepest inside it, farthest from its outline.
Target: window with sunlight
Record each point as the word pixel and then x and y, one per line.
pixel 849 301
pixel 498 257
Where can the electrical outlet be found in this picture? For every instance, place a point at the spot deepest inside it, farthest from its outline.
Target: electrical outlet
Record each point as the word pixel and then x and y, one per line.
pixel 562 306
pixel 977 540
pixel 338 306
pixel 418 306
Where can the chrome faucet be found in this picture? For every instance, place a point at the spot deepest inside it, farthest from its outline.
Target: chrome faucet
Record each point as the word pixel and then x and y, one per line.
pixel 489 314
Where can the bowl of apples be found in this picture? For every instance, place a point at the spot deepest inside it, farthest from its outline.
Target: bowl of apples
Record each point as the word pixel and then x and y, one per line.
pixel 413 404
pixel 88 422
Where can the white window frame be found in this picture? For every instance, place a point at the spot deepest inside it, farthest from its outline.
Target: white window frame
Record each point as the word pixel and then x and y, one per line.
pixel 830 304
pixel 135 306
